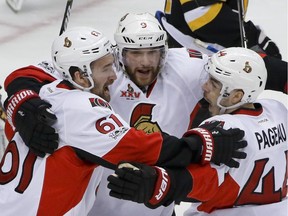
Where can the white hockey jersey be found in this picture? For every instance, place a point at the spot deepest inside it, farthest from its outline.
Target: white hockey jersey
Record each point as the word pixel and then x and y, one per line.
pixel 62 183
pixel 257 187
pixel 166 106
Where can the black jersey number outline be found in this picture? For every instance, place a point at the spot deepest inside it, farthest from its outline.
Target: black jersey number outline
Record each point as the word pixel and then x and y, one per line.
pixel 27 168
pixel 268 193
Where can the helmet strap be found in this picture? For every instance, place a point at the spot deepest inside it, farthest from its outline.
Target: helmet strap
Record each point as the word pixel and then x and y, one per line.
pixel 223 109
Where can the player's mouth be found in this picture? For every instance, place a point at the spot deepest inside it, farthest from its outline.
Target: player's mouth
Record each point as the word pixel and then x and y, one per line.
pixel 106 89
pixel 143 73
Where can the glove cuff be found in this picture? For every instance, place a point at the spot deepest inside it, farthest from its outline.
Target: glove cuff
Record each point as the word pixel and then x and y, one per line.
pixel 207 143
pixel 162 187
pixel 15 102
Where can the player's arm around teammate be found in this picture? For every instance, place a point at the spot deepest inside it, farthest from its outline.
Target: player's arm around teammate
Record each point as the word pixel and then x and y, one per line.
pixel 232 90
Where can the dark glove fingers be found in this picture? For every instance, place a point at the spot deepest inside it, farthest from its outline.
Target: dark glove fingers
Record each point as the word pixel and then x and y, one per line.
pixel 46 115
pixel 43 137
pixel 44 144
pixel 43 141
pixel 53 140
pixel 46 134
pixel 240 144
pixel 47 138
pixel 119 185
pixel 53 144
pixel 37 152
pixel 114 180
pixel 128 187
pixel 236 134
pixel 116 187
pixel 223 152
pixel 210 126
pixel 44 128
pixel 116 195
pixel 129 174
pixel 40 109
pixel 239 155
pixel 226 152
pixel 125 190
pixel 232 163
pixel 41 147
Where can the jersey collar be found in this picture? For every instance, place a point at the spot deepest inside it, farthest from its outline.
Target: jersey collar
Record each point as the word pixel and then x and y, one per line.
pixel 65 85
pixel 253 112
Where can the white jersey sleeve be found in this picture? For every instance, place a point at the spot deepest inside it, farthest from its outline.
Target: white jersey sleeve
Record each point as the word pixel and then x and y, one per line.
pixel 87 122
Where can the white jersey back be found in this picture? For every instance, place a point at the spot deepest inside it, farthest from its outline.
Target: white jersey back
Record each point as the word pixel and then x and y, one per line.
pixel 166 106
pixel 262 177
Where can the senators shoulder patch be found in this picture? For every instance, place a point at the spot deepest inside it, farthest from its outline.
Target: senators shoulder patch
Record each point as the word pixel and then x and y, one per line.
pixel 99 102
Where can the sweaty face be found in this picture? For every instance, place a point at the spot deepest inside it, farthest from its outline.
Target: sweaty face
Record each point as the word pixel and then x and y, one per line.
pixel 142 65
pixel 103 75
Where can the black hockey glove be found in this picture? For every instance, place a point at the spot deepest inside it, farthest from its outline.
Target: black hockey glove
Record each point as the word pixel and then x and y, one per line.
pixel 268 46
pixel 141 183
pixel 219 145
pixel 260 42
pixel 32 118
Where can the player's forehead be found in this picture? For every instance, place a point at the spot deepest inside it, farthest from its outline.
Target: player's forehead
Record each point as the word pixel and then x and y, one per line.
pixel 146 49
pixel 107 59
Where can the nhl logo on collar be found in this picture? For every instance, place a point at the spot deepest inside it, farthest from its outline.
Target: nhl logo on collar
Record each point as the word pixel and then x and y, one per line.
pixel 130 94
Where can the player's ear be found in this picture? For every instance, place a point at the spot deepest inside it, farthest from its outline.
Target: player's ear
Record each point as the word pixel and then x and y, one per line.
pixel 80 79
pixel 237 96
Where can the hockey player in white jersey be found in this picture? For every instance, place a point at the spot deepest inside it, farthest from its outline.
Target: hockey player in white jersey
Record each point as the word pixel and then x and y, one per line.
pixel 156 90
pixel 259 186
pixel 90 134
pixel 149 84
